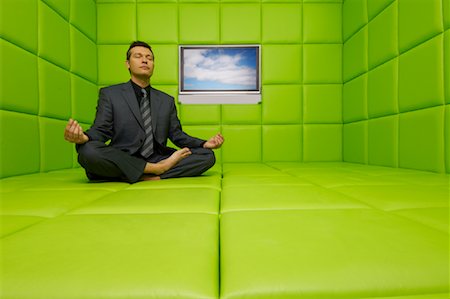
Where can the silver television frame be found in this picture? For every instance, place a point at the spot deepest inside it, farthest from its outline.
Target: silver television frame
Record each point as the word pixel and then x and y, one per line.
pixel 219 97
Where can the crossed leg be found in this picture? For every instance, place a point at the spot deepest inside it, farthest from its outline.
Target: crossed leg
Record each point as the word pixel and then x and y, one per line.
pixel 164 165
pixel 103 162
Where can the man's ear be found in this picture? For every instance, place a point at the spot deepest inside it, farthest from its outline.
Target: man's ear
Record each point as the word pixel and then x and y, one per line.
pixel 127 63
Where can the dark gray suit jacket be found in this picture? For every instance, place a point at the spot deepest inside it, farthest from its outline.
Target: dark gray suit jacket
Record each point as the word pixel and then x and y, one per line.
pixel 119 119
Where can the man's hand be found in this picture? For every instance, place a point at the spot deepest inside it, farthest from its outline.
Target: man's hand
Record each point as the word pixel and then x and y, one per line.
pixel 74 133
pixel 214 142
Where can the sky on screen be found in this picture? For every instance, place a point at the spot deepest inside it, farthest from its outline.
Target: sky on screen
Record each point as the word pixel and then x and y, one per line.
pixel 220 69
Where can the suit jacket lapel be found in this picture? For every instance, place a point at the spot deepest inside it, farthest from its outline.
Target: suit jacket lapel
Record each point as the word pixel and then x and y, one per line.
pixel 155 105
pixel 130 98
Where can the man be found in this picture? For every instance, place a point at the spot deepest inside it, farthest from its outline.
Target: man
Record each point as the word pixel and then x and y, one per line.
pixel 138 120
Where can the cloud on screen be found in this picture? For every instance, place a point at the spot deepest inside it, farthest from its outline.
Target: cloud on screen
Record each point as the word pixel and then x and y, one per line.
pixel 222 67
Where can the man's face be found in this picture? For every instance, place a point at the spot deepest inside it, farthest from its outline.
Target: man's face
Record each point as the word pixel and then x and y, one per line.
pixel 140 63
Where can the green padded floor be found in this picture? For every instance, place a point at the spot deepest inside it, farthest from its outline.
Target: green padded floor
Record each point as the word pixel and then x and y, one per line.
pixel 113 256
pixel 323 253
pixel 246 230
pixel 333 230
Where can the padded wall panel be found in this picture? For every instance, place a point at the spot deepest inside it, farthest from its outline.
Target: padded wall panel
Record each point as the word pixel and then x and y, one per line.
pixel 322 63
pixel 111 64
pixel 54 102
pixel 83 15
pixel 322 103
pixel 322 142
pixel 383 141
pixel 447 137
pixel 61 7
pixel 157 23
pixel 56 153
pixel 382 89
pixel 12 59
pixel 282 143
pixel 281 64
pixel 418 21
pixel 243 143
pixel 322 23
pixel 84 96
pixel 116 23
pixel 354 17
pixel 355 55
pixel 374 7
pixel 20 27
pixel 383 36
pixel 446 12
pixel 240 23
pixel 355 99
pixel 199 23
pixel 287 31
pixel 166 64
pixel 355 142
pixel 18 155
pixel 282 104
pixel 200 114
pixel 421 145
pixel 447 65
pixel 241 114
pixel 83 56
pixel 421 81
pixel 54 37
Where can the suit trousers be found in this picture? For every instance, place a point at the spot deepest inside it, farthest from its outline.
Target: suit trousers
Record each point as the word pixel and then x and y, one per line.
pixel 106 163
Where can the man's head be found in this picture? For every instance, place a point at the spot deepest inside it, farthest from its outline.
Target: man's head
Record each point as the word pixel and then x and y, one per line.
pixel 140 60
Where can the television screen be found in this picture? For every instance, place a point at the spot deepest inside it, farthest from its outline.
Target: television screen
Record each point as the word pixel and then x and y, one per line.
pixel 219 70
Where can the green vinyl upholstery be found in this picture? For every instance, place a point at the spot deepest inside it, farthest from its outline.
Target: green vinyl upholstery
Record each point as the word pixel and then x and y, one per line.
pixel 247 230
pixel 335 186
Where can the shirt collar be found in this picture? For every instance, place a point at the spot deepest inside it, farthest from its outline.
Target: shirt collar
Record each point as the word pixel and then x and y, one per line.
pixel 137 89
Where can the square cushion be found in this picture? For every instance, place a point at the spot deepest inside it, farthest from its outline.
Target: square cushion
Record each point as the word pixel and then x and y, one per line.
pixel 94 256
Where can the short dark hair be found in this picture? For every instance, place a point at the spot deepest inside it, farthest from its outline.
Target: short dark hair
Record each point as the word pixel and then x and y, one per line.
pixel 138 43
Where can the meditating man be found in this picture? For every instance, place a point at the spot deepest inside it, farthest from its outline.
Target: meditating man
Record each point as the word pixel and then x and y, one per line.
pixel 138 120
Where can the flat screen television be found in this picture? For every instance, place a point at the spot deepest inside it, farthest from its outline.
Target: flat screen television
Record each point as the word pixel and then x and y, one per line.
pixel 220 74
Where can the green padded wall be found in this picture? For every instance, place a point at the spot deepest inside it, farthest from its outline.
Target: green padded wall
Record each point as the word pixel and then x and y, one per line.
pixel 354 80
pixel 301 69
pixel 49 73
pixel 396 72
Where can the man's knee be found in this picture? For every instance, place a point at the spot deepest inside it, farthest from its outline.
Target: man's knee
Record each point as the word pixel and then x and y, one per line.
pixel 210 159
pixel 89 153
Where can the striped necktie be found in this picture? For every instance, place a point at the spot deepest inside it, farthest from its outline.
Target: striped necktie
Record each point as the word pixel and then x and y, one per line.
pixel 147 147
